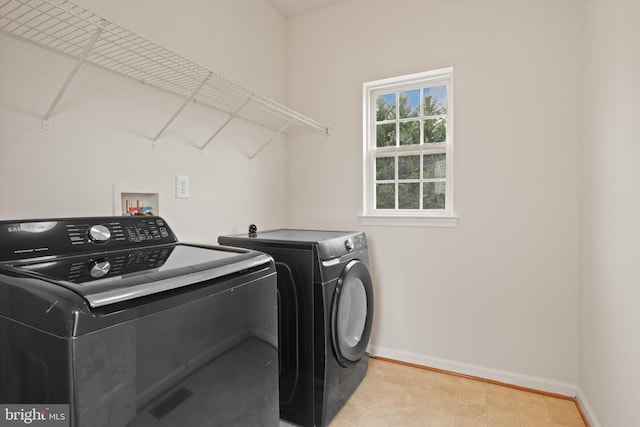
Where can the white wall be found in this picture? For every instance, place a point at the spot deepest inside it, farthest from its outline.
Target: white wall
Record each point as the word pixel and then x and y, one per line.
pixel 496 296
pixel 610 248
pixel 102 129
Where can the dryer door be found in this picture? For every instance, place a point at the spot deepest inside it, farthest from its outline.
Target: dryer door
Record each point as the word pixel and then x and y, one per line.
pixel 352 313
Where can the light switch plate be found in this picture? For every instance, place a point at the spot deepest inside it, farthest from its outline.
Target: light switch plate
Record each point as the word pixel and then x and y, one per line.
pixel 182 187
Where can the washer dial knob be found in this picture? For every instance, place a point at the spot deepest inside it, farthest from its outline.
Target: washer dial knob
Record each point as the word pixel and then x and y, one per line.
pixel 99 234
pixel 99 268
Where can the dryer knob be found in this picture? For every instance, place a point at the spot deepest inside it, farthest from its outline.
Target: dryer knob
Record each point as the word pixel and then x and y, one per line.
pixel 99 268
pixel 99 234
pixel 348 244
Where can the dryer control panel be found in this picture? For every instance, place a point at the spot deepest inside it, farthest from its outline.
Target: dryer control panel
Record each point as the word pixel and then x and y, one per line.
pixel 72 236
pixel 339 246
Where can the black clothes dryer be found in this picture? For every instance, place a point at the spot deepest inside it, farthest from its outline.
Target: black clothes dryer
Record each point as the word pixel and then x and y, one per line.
pixel 325 306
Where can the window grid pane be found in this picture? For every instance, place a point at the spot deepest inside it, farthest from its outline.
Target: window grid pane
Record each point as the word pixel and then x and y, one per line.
pixel 386 135
pixel 409 103
pixel 435 100
pixel 415 181
pixel 385 168
pixel 385 196
pixel 435 130
pixel 385 107
pixel 434 166
pixel 409 158
pixel 434 195
pixel 409 195
pixel 409 132
pixel 408 167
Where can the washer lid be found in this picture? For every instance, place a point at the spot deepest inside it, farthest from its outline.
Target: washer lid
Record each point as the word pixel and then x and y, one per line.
pixel 112 277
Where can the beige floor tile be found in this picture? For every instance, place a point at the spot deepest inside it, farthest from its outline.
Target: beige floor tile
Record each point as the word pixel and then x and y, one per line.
pixel 439 419
pixel 350 413
pixel 421 376
pixel 470 396
pixel 467 384
pixel 373 417
pixel 384 403
pixel 470 421
pixel 373 379
pixel 370 384
pixel 498 389
pixel 417 392
pixel 531 406
pixel 445 389
pixel 396 379
pixel 408 417
pixel 391 388
pixel 442 404
pixel 404 396
pixel 442 378
pixel 577 424
pixel 361 397
pixel 472 409
pixel 503 417
pixel 500 397
pixel 408 401
pixel 379 366
pixel 563 412
pixel 533 422
pixel 339 423
pixel 401 370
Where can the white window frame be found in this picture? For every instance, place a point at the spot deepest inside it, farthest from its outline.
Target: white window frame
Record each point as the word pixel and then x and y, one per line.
pixel 406 217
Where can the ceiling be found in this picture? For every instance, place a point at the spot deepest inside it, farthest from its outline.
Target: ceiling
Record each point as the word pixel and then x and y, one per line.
pixel 289 8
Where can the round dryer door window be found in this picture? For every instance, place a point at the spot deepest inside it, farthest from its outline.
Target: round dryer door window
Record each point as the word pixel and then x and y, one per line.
pixel 352 313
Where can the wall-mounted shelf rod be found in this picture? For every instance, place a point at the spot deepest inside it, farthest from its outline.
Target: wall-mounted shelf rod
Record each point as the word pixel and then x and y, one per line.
pixel 73 73
pixel 186 102
pixel 226 122
pixel 273 138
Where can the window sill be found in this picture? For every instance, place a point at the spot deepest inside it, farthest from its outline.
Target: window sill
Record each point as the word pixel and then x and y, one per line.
pixel 408 221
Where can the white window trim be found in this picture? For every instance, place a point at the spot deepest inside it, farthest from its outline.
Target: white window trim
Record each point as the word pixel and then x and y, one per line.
pixel 415 218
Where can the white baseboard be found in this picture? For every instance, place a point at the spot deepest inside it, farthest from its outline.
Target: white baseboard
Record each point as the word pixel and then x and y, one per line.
pixel 537 383
pixel 586 409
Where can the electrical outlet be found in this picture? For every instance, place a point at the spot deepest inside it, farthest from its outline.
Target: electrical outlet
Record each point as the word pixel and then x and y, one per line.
pixel 182 187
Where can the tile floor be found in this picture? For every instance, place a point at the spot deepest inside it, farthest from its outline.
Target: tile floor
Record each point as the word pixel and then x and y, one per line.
pixel 397 395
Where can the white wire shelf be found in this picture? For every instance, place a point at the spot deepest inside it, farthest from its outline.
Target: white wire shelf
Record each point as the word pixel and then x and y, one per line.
pixel 76 32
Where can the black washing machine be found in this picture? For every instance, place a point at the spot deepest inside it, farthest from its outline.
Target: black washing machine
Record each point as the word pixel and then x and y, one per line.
pixel 113 322
pixel 325 306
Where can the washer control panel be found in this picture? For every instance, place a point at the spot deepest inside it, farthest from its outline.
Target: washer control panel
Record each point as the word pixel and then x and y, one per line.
pixel 55 237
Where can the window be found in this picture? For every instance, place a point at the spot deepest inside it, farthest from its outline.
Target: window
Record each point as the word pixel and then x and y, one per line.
pixel 408 147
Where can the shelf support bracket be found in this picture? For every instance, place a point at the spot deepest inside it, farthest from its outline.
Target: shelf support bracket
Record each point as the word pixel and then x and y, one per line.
pixel 231 117
pixel 65 86
pixel 273 138
pixel 186 102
